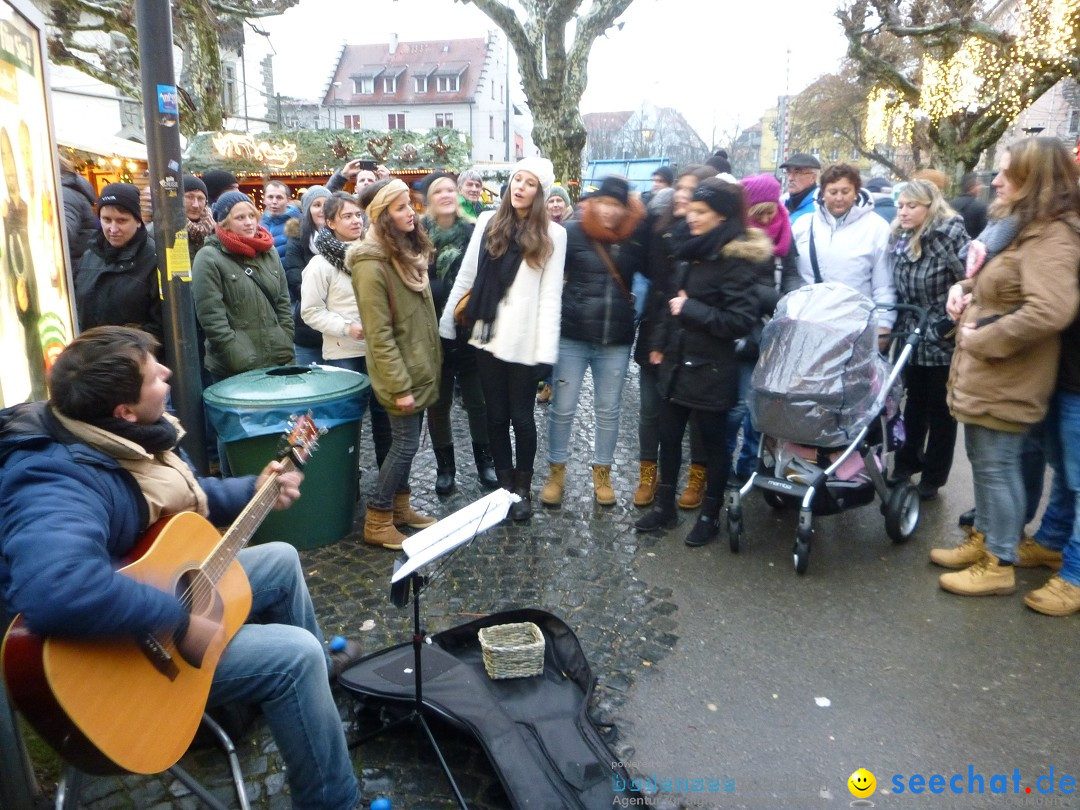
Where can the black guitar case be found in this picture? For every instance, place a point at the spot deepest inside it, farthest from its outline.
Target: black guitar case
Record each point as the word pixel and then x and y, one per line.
pixel 535 730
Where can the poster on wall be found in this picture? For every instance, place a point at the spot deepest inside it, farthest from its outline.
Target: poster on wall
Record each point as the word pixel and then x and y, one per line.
pixel 35 304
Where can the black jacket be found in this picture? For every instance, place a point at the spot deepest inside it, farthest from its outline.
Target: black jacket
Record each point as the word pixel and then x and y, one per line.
pixel 121 292
pixel 297 255
pixel 595 308
pixel 700 369
pixel 664 240
pixel 973 211
pixel 82 223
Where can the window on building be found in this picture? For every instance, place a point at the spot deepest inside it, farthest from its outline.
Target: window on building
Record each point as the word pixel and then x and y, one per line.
pixel 395 121
pixel 444 120
pixel 1074 122
pixel 448 84
pixel 228 89
pixel 365 86
pixel 834 155
pixel 420 84
pixel 854 154
pixel 352 122
pixel 389 84
pixel 491 127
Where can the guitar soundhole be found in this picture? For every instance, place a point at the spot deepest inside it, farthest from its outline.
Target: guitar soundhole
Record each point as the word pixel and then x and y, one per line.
pixel 195 590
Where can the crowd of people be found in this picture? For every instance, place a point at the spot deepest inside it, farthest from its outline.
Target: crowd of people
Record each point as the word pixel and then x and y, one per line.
pixel 509 306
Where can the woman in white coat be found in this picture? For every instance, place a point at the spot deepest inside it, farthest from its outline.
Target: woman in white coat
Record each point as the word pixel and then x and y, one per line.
pixel 513 271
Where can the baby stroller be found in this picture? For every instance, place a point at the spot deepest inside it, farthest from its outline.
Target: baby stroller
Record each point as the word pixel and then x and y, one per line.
pixel 826 403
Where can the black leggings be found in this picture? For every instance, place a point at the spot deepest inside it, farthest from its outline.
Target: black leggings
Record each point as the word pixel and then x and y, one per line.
pixel 712 426
pixel 510 394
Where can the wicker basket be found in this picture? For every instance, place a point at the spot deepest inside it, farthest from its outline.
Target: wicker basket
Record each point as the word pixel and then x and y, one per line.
pixel 512 650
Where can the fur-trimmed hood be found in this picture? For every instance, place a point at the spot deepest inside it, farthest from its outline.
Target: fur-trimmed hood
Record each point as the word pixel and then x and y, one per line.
pixel 754 247
pixel 590 222
pixel 364 249
pixel 292 228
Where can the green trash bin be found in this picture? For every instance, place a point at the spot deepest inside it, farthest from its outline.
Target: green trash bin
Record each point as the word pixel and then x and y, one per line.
pixel 251 414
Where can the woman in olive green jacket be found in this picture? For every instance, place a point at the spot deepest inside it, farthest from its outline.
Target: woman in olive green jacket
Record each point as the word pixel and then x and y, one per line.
pixel 404 353
pixel 241 294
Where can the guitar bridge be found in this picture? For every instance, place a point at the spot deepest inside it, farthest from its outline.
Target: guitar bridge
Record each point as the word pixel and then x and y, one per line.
pixel 162 660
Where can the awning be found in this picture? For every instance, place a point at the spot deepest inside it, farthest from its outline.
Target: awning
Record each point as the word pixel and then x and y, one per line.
pixel 451 68
pixel 367 72
pixel 106 145
pixel 423 71
pixel 394 71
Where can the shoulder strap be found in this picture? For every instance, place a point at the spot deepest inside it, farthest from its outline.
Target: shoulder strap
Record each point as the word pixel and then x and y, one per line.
pixel 251 274
pixel 813 254
pixel 601 251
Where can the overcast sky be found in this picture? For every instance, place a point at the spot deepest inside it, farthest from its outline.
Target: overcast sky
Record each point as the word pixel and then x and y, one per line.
pixel 720 63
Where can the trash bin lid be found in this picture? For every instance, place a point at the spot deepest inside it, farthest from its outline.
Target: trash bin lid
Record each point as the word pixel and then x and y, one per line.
pixel 284 386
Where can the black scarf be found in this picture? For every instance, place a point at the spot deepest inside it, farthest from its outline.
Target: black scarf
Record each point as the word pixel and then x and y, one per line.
pixel 332 249
pixel 795 200
pixel 111 254
pixel 708 245
pixel 493 278
pixel 155 438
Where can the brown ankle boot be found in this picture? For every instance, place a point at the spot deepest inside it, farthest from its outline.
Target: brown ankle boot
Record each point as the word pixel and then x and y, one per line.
pixel 551 494
pixel 694 493
pixel 646 491
pixel 601 479
pixel 404 515
pixel 379 529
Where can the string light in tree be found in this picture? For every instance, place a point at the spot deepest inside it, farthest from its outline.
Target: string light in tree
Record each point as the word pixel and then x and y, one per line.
pixel 889 119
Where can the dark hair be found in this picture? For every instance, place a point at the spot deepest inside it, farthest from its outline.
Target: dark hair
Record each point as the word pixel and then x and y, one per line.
pixel 396 243
pixel 369 192
pixel 696 170
pixel 334 204
pixel 841 171
pixel 969 181
pixel 530 234
pixel 100 369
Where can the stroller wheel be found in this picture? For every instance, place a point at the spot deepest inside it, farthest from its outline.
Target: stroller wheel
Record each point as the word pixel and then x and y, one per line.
pixel 734 528
pixel 775 500
pixel 802 551
pixel 902 513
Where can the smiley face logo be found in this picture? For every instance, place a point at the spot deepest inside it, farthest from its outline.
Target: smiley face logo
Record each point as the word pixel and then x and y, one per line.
pixel 862 783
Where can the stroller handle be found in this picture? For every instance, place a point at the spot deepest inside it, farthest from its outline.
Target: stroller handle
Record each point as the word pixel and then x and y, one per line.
pixel 920 327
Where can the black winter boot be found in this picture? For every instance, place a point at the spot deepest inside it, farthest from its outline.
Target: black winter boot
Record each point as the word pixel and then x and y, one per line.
pixel 445 470
pixel 506 479
pixel 662 515
pixel 707 526
pixel 522 510
pixel 485 467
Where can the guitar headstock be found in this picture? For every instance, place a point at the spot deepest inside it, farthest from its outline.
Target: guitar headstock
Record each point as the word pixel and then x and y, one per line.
pixel 302 439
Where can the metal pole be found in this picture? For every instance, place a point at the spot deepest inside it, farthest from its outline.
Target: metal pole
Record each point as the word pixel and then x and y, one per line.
pixel 160 107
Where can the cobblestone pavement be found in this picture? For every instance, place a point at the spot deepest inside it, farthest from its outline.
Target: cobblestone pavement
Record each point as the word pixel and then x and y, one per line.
pixel 579 562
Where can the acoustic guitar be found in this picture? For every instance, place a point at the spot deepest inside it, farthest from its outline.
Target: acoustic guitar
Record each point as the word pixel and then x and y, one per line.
pixel 134 704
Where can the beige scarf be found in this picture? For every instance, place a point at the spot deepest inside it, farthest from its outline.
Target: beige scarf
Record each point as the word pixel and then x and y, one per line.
pixel 413 272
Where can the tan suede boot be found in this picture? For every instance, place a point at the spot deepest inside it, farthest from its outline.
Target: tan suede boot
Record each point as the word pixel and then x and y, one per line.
pixel 551 494
pixel 694 493
pixel 1056 598
pixel 404 515
pixel 646 490
pixel 601 480
pixel 967 553
pixel 379 529
pixel 987 577
pixel 1031 554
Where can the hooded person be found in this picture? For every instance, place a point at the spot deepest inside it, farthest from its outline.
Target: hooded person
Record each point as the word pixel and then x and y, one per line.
pixel 116 279
pixel 605 247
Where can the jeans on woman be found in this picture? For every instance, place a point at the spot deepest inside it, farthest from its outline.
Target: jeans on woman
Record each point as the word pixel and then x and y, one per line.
pixel 395 469
pixel 509 394
pixel 1060 527
pixel 999 487
pixel 608 364
pixel 278 660
pixel 380 421
pixel 307 355
pixel 739 418
pixel 712 428
pixel 927 421
pixel 459 363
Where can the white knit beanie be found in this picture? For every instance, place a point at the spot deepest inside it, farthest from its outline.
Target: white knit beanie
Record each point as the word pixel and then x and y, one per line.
pixel 539 167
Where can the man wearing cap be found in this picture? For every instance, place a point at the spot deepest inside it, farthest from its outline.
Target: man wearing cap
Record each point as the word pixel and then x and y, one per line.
pixel 801 171
pixel 200 223
pixel 116 279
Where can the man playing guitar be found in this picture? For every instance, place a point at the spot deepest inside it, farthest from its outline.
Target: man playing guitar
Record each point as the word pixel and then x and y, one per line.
pixel 84 475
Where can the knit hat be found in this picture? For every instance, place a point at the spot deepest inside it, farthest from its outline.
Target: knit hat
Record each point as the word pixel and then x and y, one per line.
pixel 217 181
pixel 428 180
pixel 666 174
pixel 761 188
pixel 616 187
pixel 723 198
pixel 559 191
pixel 311 195
pixel 226 202
pixel 192 183
pixel 121 195
pixel 540 168
pixel 720 162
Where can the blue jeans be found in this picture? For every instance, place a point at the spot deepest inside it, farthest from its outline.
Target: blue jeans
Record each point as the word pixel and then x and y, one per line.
pixel 1060 527
pixel 999 487
pixel 649 413
pixel 739 417
pixel 278 660
pixel 608 364
pixel 395 470
pixel 306 355
pixel 380 420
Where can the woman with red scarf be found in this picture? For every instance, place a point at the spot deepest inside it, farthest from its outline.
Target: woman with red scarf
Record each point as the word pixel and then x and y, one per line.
pixel 241 294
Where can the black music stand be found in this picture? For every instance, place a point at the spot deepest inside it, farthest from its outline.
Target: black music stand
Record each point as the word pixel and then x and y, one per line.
pixel 423 548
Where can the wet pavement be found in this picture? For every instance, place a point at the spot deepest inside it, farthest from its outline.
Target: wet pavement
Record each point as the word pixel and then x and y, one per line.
pixel 755 686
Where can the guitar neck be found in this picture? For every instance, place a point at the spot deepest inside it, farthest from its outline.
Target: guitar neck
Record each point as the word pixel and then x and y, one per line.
pixel 245 525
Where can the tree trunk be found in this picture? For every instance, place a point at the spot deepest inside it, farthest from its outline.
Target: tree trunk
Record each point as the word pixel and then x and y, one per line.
pixel 202 70
pixel 560 134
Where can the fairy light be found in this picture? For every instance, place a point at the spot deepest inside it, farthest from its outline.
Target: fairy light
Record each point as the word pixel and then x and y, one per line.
pixel 889 119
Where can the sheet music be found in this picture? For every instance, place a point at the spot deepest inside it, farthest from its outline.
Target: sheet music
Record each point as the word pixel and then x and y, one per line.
pixel 454 530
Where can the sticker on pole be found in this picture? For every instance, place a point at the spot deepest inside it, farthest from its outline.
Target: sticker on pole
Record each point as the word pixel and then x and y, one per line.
pixel 167 99
pixel 178 258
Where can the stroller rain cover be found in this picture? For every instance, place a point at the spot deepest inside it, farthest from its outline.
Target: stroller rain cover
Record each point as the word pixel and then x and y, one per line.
pixel 819 378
